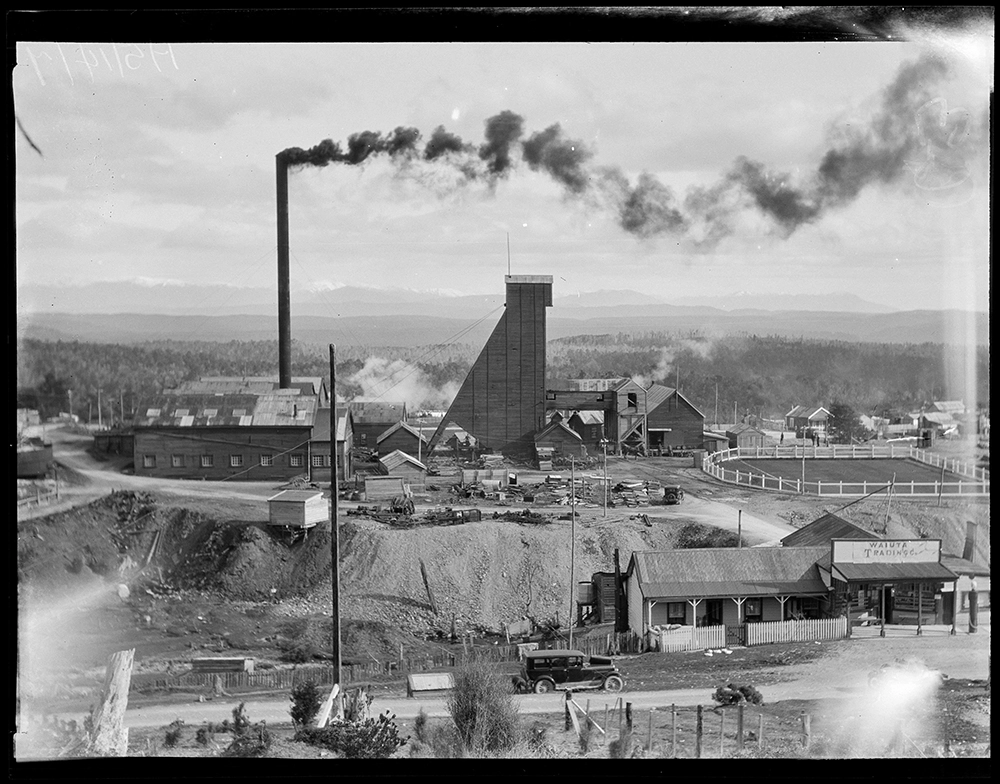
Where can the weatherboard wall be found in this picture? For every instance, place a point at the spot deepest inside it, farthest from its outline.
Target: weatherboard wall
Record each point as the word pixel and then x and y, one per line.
pixel 181 452
pixel 502 400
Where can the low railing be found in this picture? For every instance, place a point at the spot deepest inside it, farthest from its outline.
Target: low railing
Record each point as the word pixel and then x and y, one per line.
pixel 39 498
pixel 977 483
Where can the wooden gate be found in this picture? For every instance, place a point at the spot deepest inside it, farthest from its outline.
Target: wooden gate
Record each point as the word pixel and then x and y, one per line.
pixel 736 634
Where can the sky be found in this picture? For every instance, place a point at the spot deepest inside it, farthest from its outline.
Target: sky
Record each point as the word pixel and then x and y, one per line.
pixel 674 169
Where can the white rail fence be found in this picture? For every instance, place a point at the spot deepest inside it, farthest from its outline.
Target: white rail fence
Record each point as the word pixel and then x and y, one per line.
pixel 976 483
pixel 691 638
pixel 804 630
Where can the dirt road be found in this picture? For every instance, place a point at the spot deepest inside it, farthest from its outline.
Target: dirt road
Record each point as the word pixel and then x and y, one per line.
pixel 841 673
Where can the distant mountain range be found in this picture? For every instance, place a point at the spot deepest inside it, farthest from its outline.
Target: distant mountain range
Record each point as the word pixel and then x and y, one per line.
pixel 346 301
pixel 416 330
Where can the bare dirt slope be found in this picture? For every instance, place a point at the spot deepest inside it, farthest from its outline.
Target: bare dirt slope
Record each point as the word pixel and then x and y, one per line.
pixel 215 562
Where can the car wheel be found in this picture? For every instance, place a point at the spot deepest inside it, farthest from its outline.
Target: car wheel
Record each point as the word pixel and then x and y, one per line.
pixel 613 683
pixel 544 687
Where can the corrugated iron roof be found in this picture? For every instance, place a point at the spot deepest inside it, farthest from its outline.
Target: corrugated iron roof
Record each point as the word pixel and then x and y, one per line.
pixel 823 529
pixel 297 496
pixel 552 427
pixel 960 565
pixel 366 412
pixel 656 394
pixel 397 458
pixel 743 571
pixel 401 426
pixel 892 572
pixel 590 417
pixel 282 408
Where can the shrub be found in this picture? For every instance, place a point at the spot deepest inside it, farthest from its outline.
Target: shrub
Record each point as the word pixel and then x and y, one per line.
pixel 174 731
pixel 369 739
pixel 483 709
pixel 696 535
pixel 300 653
pixel 204 736
pixel 307 699
pixel 620 747
pixel 250 740
pixel 734 695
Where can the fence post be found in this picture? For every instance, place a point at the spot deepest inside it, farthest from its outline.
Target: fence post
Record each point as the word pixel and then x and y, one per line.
pixel 697 737
pixel 722 732
pixel 806 729
pixel 760 730
pixel 569 696
pixel 628 716
pixel 739 726
pixel 650 746
pixel 673 730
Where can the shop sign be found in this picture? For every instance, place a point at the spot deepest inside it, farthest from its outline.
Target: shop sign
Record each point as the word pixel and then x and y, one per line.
pixel 873 551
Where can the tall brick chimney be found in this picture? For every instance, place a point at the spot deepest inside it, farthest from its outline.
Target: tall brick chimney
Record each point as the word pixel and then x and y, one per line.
pixel 284 295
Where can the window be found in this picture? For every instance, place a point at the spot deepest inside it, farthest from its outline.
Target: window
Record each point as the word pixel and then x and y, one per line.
pixel 752 612
pixel 207 461
pixel 235 461
pixel 177 461
pixel 149 461
pixel 295 461
pixel 633 400
pixel 267 460
pixel 675 612
pixel 317 461
pixel 364 438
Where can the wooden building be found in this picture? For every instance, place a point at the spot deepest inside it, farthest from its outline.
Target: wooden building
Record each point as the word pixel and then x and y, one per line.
pixel 399 463
pixel 403 437
pixel 590 426
pixel 372 419
pixel 714 442
pixel 725 586
pixel 561 439
pixel 225 436
pixel 653 418
pixel 672 421
pixel 744 436
pixel 802 418
pixel 319 460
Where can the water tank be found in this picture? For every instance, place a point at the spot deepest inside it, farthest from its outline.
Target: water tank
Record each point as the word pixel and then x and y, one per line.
pixel 585 593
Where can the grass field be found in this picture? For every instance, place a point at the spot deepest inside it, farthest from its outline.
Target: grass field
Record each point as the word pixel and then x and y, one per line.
pixel 860 470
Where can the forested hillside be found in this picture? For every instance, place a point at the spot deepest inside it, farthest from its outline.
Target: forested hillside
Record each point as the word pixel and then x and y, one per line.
pixel 770 375
pixel 766 375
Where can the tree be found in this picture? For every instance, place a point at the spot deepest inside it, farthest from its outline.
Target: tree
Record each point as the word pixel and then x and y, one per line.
pixel 844 424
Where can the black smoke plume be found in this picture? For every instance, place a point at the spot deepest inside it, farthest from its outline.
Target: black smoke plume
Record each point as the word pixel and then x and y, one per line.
pixel 502 131
pixel 879 151
pixel 564 159
pixel 442 142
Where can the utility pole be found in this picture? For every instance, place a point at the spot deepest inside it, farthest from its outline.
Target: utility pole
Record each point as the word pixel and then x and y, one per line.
pixel 604 443
pixel 70 391
pixel 572 545
pixel 334 532
pixel 100 421
pixel 716 403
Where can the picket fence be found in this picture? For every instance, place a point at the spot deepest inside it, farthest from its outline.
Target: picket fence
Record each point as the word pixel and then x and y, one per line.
pixel 692 638
pixel 805 630
pixel 700 638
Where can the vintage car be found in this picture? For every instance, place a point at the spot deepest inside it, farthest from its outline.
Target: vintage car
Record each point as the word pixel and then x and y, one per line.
pixel 545 671
pixel 672 494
